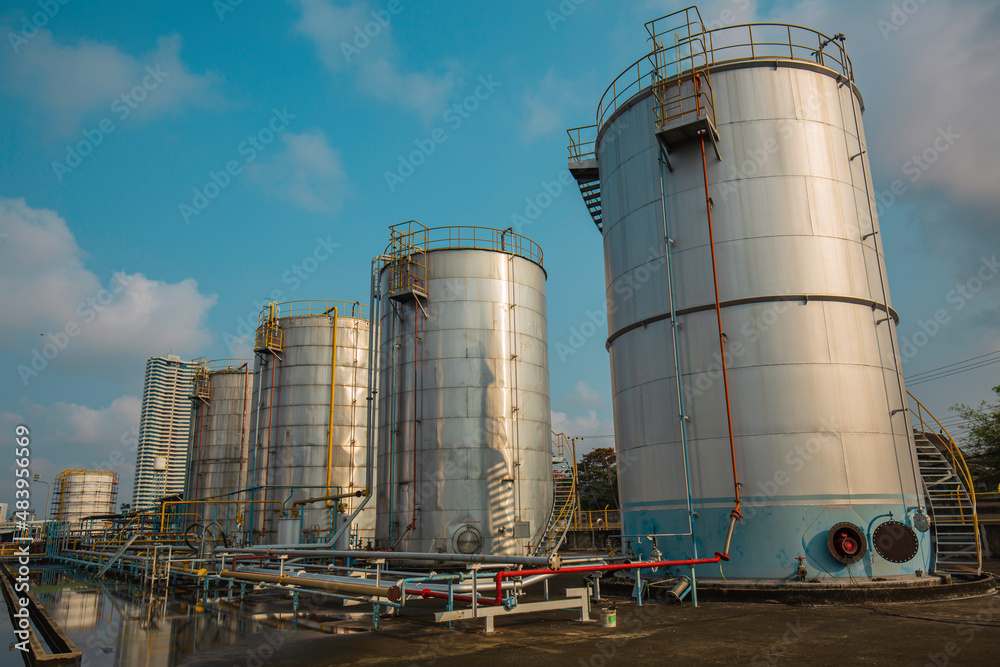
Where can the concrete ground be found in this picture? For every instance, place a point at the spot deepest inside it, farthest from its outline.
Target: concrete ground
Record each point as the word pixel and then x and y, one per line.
pixel 955 632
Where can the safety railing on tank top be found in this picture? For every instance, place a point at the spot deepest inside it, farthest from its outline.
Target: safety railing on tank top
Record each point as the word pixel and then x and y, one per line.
pixel 318 307
pixel 214 365
pixel 463 237
pixel 680 45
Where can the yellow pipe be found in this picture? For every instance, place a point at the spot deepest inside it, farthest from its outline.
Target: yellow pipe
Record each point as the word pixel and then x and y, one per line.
pixel 163 510
pixel 333 385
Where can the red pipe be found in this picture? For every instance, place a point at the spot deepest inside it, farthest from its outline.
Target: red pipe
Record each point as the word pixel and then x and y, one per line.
pixel 503 574
pixel 718 308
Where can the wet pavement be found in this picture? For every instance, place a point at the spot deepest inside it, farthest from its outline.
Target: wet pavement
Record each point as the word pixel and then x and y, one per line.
pixel 956 632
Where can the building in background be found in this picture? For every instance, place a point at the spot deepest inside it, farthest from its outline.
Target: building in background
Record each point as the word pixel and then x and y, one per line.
pixel 164 429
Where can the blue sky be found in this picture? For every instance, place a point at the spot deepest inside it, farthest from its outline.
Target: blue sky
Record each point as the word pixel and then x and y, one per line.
pixel 166 167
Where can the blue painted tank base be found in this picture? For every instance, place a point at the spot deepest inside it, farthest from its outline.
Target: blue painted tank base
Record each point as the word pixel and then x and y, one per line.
pixel 765 544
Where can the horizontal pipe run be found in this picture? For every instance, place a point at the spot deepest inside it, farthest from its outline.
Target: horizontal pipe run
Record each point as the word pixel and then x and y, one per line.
pixel 336 496
pixel 498 600
pixel 553 562
pixel 391 593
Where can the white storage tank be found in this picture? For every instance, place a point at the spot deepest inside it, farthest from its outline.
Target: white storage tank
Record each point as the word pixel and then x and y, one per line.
pixel 464 452
pixel 768 215
pixel 218 461
pixel 309 422
pixel 81 493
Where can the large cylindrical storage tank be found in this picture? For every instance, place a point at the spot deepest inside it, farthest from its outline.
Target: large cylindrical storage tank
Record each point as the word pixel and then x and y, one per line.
pixel 310 432
pixel 81 493
pixel 218 461
pixel 464 424
pixel 817 403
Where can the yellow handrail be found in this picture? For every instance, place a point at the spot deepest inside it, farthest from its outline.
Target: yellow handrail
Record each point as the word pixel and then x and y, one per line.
pixel 958 464
pixel 564 446
pixel 460 237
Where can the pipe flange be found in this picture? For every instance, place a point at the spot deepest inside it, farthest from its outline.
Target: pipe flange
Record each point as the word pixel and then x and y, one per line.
pixel 847 542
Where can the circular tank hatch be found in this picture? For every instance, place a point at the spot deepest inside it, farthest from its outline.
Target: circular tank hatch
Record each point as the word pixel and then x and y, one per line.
pixel 894 541
pixel 468 540
pixel 847 542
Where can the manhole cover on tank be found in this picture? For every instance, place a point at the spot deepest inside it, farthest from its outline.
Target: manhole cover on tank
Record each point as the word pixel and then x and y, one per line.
pixel 894 541
pixel 847 542
pixel 468 540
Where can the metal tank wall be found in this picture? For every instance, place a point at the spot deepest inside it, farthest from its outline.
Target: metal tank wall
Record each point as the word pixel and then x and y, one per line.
pixel 291 414
pixel 821 432
pixel 81 493
pixel 218 464
pixel 464 449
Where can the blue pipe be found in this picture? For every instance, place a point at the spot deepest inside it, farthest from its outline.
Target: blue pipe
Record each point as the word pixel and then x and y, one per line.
pixel 677 373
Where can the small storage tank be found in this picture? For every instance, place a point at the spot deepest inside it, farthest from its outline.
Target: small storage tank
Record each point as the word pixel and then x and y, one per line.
pixel 81 493
pixel 464 452
pixel 218 462
pixel 729 177
pixel 296 398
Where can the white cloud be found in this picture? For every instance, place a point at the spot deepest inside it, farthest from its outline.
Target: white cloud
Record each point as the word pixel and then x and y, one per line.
pixel 76 436
pixel 585 396
pixel 550 103
pixel 46 289
pixel 307 173
pixel 70 83
pixel 582 416
pixel 356 36
pixel 588 423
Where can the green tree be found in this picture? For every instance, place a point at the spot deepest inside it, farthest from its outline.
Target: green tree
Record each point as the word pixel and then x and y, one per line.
pixel 982 443
pixel 597 479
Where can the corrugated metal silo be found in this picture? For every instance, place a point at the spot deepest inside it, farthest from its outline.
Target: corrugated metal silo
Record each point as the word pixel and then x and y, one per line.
pixel 464 423
pixel 766 233
pixel 298 454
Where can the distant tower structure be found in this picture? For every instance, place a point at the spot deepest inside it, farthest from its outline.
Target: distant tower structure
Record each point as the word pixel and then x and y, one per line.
pixel 164 429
